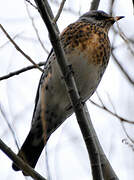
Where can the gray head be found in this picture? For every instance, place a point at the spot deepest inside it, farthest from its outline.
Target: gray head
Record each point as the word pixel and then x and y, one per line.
pixel 100 18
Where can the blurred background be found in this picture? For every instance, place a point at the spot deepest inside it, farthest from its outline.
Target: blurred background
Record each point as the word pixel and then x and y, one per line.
pixel 111 107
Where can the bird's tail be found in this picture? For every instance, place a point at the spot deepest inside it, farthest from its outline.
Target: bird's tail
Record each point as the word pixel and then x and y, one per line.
pixel 30 152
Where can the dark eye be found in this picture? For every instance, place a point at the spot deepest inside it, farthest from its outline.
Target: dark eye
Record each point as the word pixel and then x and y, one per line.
pixel 100 17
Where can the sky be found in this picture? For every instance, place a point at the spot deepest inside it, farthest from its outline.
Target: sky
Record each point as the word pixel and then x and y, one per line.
pixel 66 153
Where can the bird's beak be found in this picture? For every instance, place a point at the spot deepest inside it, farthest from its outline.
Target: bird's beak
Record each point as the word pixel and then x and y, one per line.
pixel 117 18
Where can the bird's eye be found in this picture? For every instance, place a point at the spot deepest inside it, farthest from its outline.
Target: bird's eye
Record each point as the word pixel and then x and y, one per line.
pixel 100 17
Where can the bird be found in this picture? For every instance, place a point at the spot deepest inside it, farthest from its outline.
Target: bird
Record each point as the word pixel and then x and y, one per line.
pixel 87 49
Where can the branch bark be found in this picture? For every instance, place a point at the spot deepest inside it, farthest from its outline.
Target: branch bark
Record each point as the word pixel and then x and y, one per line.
pixel 94 4
pixel 82 119
pixel 108 172
pixel 25 167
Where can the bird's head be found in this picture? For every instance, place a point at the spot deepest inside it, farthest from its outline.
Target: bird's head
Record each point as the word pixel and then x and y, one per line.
pixel 100 18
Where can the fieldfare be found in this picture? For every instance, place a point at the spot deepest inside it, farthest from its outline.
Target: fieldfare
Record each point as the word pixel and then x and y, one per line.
pixel 87 49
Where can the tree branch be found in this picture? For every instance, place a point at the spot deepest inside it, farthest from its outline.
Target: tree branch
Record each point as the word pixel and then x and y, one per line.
pixel 19 49
pixel 110 112
pixel 122 120
pixel 28 1
pixel 59 11
pixel 122 69
pixel 12 74
pixel 94 4
pixel 124 38
pixel 108 172
pixel 69 10
pixel 17 160
pixel 35 28
pixel 82 119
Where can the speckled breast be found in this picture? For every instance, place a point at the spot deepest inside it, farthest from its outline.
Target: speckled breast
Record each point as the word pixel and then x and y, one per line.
pixel 87 48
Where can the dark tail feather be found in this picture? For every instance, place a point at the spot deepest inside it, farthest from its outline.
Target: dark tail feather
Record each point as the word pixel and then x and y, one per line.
pixel 30 153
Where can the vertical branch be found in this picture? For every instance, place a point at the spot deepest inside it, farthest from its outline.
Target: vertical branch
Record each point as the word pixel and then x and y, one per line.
pixel 93 146
pixel 111 7
pixel 94 4
pixel 66 70
pixel 108 172
pixel 35 29
pixel 133 6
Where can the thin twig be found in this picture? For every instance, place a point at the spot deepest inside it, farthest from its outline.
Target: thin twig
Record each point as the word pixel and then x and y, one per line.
pixel 111 7
pixel 35 29
pixel 112 113
pixel 69 10
pixel 124 129
pixel 122 122
pixel 59 11
pixel 31 4
pixel 12 74
pixel 111 103
pixel 125 39
pixel 17 160
pixel 9 126
pixel 126 142
pixel 14 37
pixel 19 49
pixel 122 69
pixel 100 99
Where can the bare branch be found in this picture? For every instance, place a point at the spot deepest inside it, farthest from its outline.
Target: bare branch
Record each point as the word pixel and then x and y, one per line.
pixel 9 126
pixel 31 4
pixel 124 129
pixel 36 30
pixel 14 37
pixel 17 160
pixel 94 4
pixel 73 92
pixel 12 74
pixel 121 122
pixel 111 7
pixel 100 99
pixel 19 49
pixel 126 142
pixel 125 39
pixel 133 6
pixel 59 11
pixel 107 169
pixel 122 69
pixel 112 113
pixel 56 2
